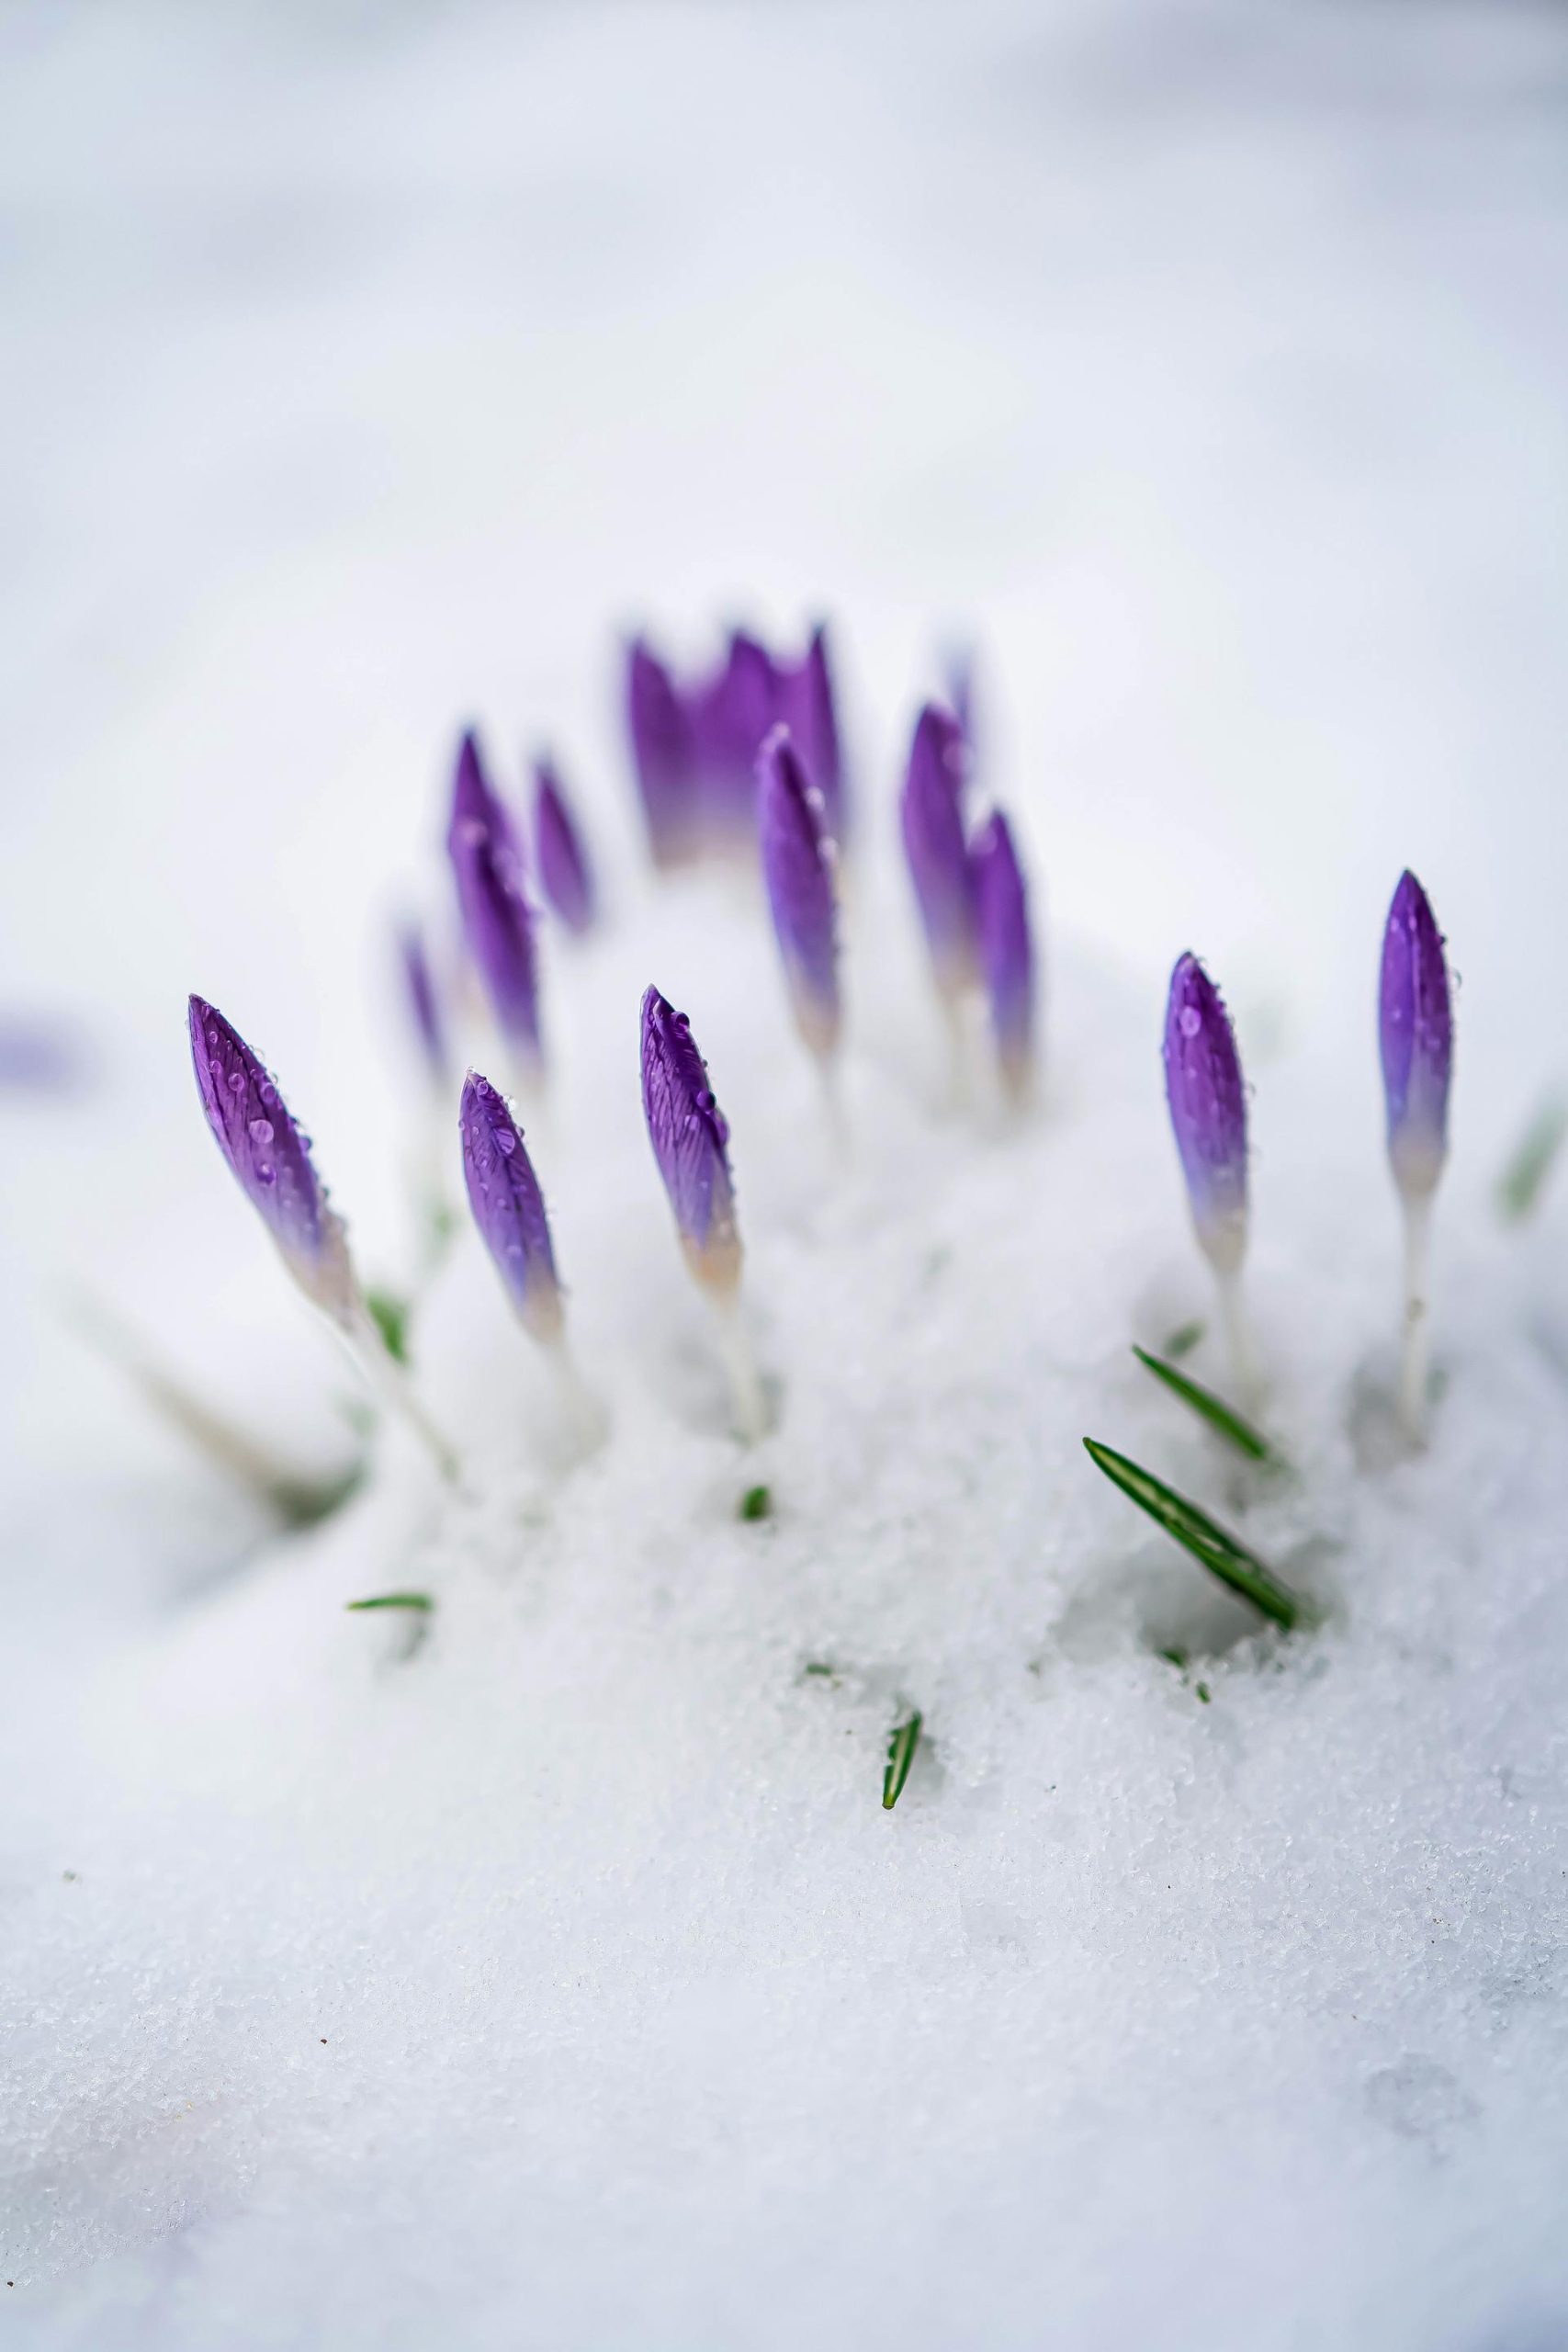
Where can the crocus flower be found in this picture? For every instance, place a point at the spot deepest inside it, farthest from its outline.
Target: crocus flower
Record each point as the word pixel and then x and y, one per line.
pixel 664 756
pixel 932 819
pixel 474 800
pixel 690 1143
pixel 1007 953
pixel 1415 1032
pixel 805 705
pixel 564 872
pixel 1208 1112
pixel 503 1194
pixel 424 1007
pixel 270 1161
pixel 798 867
pixel 498 925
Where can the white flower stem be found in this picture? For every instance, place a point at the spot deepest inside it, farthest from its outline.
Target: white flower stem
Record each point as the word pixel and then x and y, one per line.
pixel 1415 1327
pixel 389 1382
pixel 741 1363
pixel 833 1108
pixel 582 1410
pixel 1239 1336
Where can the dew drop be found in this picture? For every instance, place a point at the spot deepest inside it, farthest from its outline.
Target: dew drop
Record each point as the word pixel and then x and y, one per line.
pixel 261 1131
pixel 266 1173
pixel 506 1143
pixel 237 1081
pixel 1191 1021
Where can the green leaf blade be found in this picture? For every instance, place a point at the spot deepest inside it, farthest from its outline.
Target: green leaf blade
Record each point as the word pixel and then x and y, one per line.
pixel 419 1601
pixel 900 1755
pixel 1221 1417
pixel 1207 1541
pixel 1518 1187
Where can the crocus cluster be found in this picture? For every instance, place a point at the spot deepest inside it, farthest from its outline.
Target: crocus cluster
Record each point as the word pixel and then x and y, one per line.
pixel 973 900
pixel 695 741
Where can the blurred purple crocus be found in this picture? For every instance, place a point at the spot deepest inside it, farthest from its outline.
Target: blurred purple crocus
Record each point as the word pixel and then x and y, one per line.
pixel 798 868
pixel 498 921
pixel 695 743
pixel 664 756
pixel 474 800
pixel 424 1002
pixel 1208 1112
pixel 270 1159
pixel 565 876
pixel 932 817
pixel 1416 1034
pixel 509 1211
pixel 690 1142
pixel 1006 948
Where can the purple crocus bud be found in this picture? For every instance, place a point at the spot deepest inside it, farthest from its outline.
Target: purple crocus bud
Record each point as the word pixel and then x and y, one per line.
pixel 730 715
pixel 664 755
pixel 1007 952
pixel 806 696
pixel 503 1194
pixel 498 925
pixel 564 871
pixel 690 1142
pixel 1208 1112
pixel 425 1005
pixel 932 819
pixel 270 1158
pixel 1416 1035
pixel 798 867
pixel 474 800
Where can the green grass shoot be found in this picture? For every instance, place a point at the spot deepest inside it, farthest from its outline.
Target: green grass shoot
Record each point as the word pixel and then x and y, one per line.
pixel 421 1601
pixel 757 1503
pixel 900 1755
pixel 1209 1408
pixel 1219 1552
pixel 1518 1187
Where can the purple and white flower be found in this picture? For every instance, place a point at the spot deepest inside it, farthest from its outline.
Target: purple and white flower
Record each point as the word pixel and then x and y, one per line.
pixel 565 874
pixel 798 868
pixel 1005 949
pixel 508 1207
pixel 1416 1037
pixel 690 1142
pixel 932 813
pixel 1208 1112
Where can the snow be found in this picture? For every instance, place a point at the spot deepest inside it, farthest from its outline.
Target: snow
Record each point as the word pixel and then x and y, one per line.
pixel 560 1979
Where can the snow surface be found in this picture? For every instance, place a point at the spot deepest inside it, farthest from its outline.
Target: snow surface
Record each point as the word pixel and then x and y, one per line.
pixel 563 1982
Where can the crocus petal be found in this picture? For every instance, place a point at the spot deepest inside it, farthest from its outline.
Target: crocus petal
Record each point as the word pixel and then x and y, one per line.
pixel 564 872
pixel 1007 953
pixel 798 867
pixel 509 1210
pixel 498 925
pixel 690 1143
pixel 1416 1034
pixel 425 1005
pixel 731 712
pixel 932 817
pixel 1208 1111
pixel 805 705
pixel 270 1159
pixel 475 801
pixel 664 756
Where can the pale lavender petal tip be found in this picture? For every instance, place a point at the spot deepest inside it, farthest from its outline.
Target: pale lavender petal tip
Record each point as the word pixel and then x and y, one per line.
pixel 565 874
pixel 798 868
pixel 664 756
pixel 807 707
pixel 1007 949
pixel 423 1001
pixel 1208 1111
pixel 690 1143
pixel 932 816
pixel 1416 1034
pixel 508 1207
pixel 475 801
pixel 270 1159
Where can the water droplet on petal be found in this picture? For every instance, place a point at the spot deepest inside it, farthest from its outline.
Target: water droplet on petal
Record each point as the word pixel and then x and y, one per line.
pixel 261 1131
pixel 1191 1021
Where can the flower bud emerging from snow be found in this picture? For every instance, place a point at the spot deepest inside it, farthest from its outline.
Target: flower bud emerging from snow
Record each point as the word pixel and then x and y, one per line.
pixel 423 1004
pixel 664 756
pixel 798 867
pixel 271 1160
pixel 688 1137
pixel 498 921
pixel 564 873
pixel 1006 954
pixel 504 1196
pixel 1208 1112
pixel 932 817
pixel 1416 1032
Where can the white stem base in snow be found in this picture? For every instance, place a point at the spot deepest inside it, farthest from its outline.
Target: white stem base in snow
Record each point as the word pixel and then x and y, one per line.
pixel 585 1417
pixel 1415 1328
pixel 1238 1337
pixel 834 1119
pixel 741 1363
pixel 390 1385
